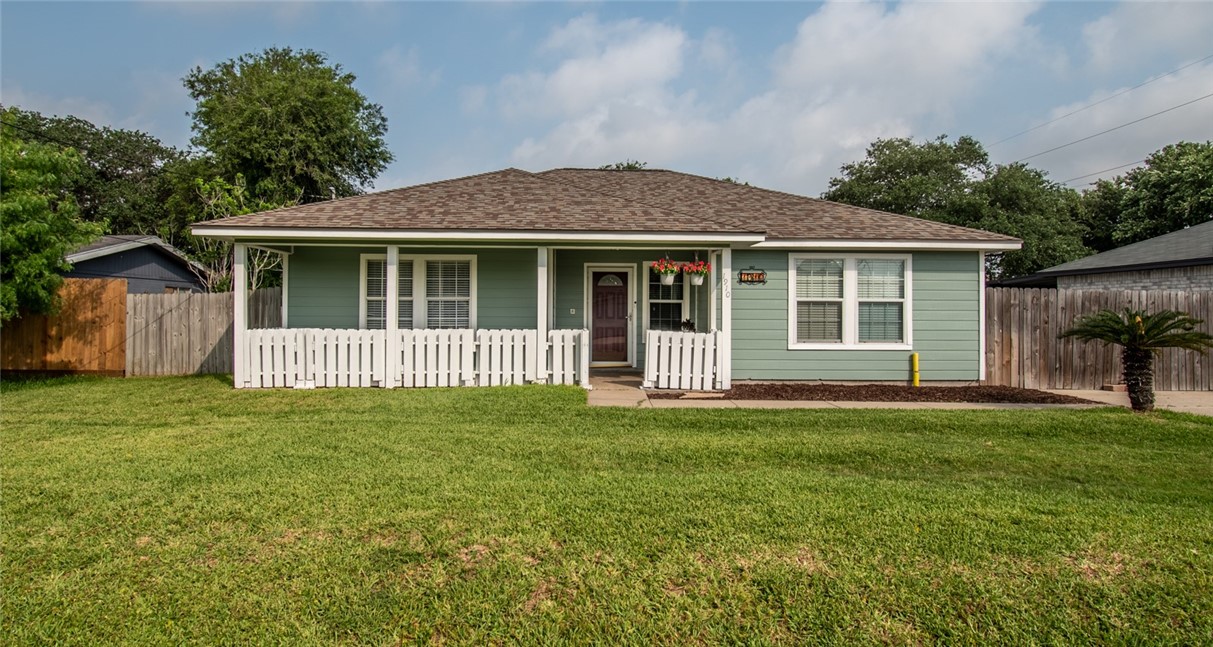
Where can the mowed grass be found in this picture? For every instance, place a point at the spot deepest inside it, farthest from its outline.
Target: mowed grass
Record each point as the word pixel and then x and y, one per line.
pixel 175 511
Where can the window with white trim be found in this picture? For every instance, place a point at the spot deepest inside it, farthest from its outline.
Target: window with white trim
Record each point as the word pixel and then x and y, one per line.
pixel 838 301
pixel 667 304
pixel 432 292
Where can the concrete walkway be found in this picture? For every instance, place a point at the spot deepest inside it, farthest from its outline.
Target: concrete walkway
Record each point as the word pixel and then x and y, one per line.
pixel 622 389
pixel 1198 402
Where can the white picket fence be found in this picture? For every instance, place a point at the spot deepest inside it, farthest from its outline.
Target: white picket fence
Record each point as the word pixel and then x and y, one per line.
pixel 681 360
pixel 314 357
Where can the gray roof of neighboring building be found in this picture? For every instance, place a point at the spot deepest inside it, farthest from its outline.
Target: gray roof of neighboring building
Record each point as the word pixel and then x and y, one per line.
pixel 114 244
pixel 1191 246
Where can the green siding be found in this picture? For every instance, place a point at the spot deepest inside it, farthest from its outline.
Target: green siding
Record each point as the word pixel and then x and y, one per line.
pixel 945 326
pixel 323 285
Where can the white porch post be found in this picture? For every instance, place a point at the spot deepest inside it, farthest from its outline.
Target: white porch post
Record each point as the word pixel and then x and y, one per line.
pixel 541 314
pixel 981 318
pixel 726 318
pixel 391 365
pixel 240 315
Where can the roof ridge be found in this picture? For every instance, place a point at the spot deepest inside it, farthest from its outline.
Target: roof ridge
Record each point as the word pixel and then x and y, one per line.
pixel 742 228
pixel 843 204
pixel 206 223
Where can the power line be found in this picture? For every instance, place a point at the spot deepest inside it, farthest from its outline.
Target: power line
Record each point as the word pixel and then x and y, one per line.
pixel 1092 105
pixel 1114 168
pixel 1104 132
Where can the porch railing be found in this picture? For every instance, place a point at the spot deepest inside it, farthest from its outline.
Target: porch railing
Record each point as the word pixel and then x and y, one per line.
pixel 682 360
pixel 316 357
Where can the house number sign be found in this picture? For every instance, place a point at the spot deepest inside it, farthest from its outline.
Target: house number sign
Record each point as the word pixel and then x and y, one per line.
pixel 752 276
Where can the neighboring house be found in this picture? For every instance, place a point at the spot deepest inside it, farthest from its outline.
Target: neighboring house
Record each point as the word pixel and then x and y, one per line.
pixel 831 291
pixel 148 264
pixel 1180 260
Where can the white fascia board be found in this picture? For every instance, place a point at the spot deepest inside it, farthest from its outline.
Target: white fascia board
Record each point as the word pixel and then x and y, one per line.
pixel 454 235
pixel 951 245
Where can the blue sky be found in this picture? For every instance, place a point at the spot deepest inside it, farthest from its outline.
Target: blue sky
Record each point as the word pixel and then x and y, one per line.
pixel 778 94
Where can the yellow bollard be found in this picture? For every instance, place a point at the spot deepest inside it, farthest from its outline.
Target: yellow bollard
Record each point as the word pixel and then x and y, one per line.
pixel 914 367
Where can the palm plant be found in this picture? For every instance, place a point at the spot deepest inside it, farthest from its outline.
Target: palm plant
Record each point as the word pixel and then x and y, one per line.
pixel 1140 336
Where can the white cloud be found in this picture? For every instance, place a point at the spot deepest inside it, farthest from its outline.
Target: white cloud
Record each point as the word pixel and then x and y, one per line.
pixel 402 68
pixel 851 74
pixel 629 61
pixel 1133 32
pixel 1131 143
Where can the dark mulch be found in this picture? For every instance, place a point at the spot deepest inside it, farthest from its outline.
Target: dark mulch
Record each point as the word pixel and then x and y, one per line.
pixel 887 393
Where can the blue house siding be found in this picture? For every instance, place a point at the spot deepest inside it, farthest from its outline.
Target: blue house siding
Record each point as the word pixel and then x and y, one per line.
pixel 146 269
pixel 946 325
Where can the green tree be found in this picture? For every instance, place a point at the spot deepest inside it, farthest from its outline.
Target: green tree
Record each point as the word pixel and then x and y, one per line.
pixel 290 123
pixel 954 182
pixel 1140 336
pixel 122 182
pixel 924 180
pixel 626 165
pixel 1172 190
pixel 39 223
pixel 222 199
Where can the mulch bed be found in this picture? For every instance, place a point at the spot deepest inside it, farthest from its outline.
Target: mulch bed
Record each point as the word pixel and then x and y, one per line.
pixel 885 393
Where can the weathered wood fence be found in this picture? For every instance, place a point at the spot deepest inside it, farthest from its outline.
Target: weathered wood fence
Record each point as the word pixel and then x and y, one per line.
pixel 87 335
pixel 1023 349
pixel 186 333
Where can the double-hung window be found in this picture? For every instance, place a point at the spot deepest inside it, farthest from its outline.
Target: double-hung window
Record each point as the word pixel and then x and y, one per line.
pixel 431 292
pixel 667 304
pixel 840 301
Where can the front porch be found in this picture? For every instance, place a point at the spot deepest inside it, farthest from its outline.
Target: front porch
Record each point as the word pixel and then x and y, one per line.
pixel 585 307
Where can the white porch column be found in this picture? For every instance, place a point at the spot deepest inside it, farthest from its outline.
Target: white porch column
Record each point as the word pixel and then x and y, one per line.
pixel 240 315
pixel 391 365
pixel 541 314
pixel 726 318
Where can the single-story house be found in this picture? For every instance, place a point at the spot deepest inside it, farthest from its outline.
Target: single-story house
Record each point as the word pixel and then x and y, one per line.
pixel 1180 260
pixel 148 264
pixel 513 276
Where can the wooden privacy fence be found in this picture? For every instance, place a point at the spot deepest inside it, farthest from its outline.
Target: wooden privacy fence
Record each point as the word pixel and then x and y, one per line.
pixel 1023 349
pixel 314 357
pixel 681 360
pixel 185 333
pixel 87 335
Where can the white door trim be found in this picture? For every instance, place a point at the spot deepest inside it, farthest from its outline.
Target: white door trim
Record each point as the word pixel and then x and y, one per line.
pixel 588 308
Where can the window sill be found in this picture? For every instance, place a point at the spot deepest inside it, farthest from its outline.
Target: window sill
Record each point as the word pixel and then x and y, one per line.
pixel 821 346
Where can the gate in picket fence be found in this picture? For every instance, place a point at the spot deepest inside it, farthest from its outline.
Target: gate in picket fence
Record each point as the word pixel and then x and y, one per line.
pixel 682 360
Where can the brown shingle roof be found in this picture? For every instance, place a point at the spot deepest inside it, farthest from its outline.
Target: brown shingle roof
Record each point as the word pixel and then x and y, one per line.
pixel 511 200
pixel 780 215
pixel 648 201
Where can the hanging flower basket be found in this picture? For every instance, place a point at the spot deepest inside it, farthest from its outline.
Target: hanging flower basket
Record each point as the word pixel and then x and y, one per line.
pixel 667 269
pixel 697 270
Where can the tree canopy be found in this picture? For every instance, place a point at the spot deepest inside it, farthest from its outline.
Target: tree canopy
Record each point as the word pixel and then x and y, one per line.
pixel 626 165
pixel 121 181
pixel 39 222
pixel 1172 190
pixel 290 123
pixel 954 182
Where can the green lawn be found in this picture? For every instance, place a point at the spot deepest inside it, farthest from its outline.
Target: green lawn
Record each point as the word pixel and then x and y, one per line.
pixel 180 510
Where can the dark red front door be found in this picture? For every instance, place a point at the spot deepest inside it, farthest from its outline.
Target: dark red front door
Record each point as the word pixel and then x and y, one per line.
pixel 609 328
